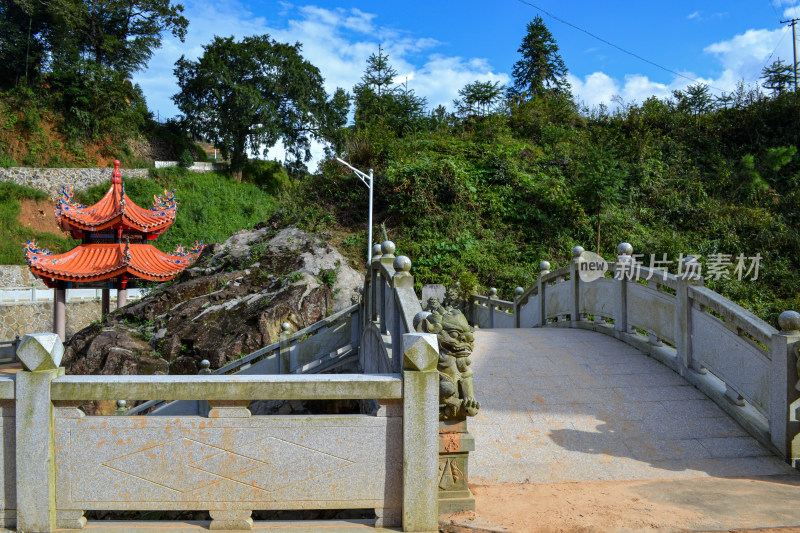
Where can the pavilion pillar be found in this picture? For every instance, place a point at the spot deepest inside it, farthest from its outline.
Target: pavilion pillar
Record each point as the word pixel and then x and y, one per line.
pixel 105 302
pixel 60 311
pixel 122 292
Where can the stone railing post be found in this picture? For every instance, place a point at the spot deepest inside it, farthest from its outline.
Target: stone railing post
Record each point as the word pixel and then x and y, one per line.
pixel 575 285
pixel 375 282
pixel 683 322
pixel 623 270
pixel 387 262
pixel 518 292
pixel 285 349
pixel 40 355
pixel 490 305
pixel 784 426
pixel 420 432
pixel 544 268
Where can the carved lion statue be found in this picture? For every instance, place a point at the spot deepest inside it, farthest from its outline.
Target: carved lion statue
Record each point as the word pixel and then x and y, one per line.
pixel 456 342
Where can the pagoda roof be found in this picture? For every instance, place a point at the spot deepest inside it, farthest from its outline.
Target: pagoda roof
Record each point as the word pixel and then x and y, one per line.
pixel 96 262
pixel 115 210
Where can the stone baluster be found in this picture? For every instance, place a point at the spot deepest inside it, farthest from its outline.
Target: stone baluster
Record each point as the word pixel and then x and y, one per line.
pixel 420 432
pixel 387 263
pixel 785 388
pixel 683 320
pixel 285 349
pixel 40 355
pixel 624 268
pixel 544 268
pixel 518 292
pixel 122 408
pixel 375 282
pixel 575 285
pixel 491 306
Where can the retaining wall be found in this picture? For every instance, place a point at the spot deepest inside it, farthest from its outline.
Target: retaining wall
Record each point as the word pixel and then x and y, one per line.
pixel 26 304
pixel 50 180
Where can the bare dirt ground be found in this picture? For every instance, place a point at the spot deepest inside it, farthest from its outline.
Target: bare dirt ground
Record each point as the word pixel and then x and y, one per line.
pixel 38 215
pixel 697 504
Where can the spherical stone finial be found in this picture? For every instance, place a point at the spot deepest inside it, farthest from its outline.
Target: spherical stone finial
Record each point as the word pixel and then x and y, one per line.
pixel 458 285
pixel 388 248
pixel 376 251
pixel 361 290
pixel 205 363
pixel 492 292
pixel 402 263
pixel 544 266
pixel 577 251
pixel 518 292
pixel 121 404
pixel 624 248
pixel 286 327
pixel 789 321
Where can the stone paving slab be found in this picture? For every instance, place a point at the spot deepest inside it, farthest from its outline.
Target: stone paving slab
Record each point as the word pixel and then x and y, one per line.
pixel 562 404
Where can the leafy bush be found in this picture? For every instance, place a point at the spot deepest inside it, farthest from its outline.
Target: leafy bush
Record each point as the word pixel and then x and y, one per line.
pixel 186 160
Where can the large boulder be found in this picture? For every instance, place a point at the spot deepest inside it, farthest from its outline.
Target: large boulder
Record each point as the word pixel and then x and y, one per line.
pixel 230 303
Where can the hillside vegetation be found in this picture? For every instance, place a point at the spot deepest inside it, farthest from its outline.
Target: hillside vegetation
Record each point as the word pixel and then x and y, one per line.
pixel 494 195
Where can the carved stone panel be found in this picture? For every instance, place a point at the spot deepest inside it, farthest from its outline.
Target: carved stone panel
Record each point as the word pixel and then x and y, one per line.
pixel 256 463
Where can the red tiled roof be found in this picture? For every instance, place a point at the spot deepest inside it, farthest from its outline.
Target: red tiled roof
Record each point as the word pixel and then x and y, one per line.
pixel 96 262
pixel 115 210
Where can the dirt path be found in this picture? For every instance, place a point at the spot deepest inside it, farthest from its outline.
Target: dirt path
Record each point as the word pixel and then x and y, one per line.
pixel 697 504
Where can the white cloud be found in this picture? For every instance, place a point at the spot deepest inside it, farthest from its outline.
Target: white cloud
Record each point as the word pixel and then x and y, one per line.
pixel 694 15
pixel 741 58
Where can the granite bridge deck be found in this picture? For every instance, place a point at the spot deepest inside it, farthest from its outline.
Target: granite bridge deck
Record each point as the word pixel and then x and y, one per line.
pixel 579 431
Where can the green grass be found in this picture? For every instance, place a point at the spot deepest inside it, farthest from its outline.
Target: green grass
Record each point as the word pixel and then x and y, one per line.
pixel 14 235
pixel 211 206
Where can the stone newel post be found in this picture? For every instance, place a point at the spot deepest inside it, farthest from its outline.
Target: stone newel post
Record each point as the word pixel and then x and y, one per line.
pixel 420 415
pixel 40 355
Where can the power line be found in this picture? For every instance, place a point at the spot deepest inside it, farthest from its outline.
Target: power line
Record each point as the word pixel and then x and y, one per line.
pixel 587 32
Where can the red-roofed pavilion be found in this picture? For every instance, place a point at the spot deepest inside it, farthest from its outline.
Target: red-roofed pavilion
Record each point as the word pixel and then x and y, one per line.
pixel 114 253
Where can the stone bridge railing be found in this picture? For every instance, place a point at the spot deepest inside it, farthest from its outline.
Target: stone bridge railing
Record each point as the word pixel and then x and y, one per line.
pixel 56 462
pixel 745 365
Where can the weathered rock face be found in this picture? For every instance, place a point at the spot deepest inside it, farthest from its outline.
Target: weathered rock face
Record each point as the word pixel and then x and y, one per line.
pixel 232 302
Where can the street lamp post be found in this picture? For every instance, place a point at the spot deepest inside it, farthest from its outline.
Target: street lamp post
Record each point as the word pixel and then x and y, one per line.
pixel 366 179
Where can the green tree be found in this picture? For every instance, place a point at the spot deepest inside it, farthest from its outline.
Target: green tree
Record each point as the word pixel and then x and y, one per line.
pixel 479 98
pixel 696 100
pixel 253 93
pixel 540 71
pixel 22 46
pixel 777 77
pixel 118 34
pixel 379 104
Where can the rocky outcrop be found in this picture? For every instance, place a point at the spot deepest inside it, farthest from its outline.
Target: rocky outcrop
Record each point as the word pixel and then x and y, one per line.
pixel 230 303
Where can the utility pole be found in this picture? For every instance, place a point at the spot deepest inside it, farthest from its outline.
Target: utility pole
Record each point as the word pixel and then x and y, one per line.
pixel 793 23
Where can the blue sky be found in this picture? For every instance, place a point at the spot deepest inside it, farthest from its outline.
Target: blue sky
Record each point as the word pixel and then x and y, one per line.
pixel 439 46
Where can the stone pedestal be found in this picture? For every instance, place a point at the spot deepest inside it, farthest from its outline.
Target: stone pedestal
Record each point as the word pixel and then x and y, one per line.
pixel 455 443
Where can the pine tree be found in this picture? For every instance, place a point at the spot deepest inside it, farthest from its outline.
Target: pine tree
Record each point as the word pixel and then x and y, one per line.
pixel 777 77
pixel 541 70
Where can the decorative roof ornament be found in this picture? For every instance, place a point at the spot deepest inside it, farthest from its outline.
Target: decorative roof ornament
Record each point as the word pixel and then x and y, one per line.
pixel 122 198
pixel 67 203
pixel 35 253
pixel 116 176
pixel 165 202
pixel 181 251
